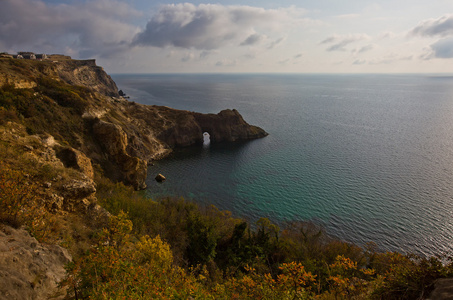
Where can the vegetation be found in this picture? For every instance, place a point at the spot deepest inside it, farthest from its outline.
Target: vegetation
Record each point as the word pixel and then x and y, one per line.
pixel 54 108
pixel 181 250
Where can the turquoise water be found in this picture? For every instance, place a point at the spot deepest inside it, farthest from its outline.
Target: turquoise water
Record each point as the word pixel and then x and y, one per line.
pixel 369 156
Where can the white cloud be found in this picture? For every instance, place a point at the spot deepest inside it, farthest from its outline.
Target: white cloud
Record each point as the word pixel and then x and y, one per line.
pixel 341 41
pixel 391 58
pixel 348 16
pixel 442 26
pixel 212 26
pixel 275 43
pixel 359 62
pixel 366 48
pixel 226 63
pixel 253 39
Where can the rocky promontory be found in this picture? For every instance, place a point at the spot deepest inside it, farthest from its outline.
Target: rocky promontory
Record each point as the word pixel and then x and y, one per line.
pixel 78 104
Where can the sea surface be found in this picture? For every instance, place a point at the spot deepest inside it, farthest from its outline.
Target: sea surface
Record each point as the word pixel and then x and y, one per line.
pixel 368 156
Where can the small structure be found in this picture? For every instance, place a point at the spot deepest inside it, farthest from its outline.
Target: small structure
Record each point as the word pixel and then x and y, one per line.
pixel 27 55
pixel 41 56
pixel 18 56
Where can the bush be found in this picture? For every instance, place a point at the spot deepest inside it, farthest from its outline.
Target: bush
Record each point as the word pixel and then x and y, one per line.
pixel 19 206
pixel 131 269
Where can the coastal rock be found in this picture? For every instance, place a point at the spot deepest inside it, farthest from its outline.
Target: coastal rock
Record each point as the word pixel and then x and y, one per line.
pixel 228 126
pixel 188 127
pixel 114 141
pixel 160 178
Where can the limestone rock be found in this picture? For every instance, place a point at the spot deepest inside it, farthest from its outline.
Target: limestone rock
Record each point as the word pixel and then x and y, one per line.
pixel 78 195
pixel 228 126
pixel 72 158
pixel 112 138
pixel 77 189
pixel 29 269
pixel 443 290
pixel 114 141
pixel 187 128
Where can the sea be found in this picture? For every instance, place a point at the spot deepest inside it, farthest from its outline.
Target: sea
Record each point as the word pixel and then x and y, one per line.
pixel 369 157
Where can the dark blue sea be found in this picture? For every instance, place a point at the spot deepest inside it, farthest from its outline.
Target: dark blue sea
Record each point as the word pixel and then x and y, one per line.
pixel 368 156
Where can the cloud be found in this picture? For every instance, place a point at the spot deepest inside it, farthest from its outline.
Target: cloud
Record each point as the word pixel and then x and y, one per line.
pixel 275 43
pixel 98 27
pixel 253 39
pixel 387 35
pixel 226 63
pixel 212 26
pixel 442 26
pixel 391 58
pixel 366 48
pixel 359 62
pixel 348 16
pixel 340 42
pixel 441 49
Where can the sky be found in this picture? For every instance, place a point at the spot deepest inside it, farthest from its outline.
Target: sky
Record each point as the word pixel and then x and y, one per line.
pixel 251 36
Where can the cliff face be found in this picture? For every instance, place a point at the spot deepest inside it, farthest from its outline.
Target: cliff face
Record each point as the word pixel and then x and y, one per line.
pixel 24 74
pixel 86 73
pixel 78 104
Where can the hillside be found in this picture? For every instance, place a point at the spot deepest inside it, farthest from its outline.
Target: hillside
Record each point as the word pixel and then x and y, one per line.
pixel 72 155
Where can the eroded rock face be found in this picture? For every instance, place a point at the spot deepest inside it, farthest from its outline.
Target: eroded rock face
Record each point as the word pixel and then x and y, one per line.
pixel 29 269
pixel 72 158
pixel 114 141
pixel 86 73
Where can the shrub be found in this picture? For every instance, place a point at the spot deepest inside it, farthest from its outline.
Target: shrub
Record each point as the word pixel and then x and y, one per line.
pixel 19 205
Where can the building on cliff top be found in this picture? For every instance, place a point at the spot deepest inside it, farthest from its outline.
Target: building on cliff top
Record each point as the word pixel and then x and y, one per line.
pixel 26 55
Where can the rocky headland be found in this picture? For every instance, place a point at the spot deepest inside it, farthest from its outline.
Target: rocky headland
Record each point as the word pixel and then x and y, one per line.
pixel 78 104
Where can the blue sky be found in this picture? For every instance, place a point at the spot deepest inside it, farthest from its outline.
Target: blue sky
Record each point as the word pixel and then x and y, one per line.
pixel 312 36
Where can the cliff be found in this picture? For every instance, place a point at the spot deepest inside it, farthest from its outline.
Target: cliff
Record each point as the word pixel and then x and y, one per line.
pixel 78 104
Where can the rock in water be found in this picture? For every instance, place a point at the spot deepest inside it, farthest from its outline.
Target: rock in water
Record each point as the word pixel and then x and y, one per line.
pixel 160 178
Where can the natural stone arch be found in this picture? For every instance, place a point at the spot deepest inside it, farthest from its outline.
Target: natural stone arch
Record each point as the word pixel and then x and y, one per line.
pixel 206 138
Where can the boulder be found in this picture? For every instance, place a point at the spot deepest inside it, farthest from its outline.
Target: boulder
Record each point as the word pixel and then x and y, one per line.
pixel 443 290
pixel 29 269
pixel 78 195
pixel 160 178
pixel 72 158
